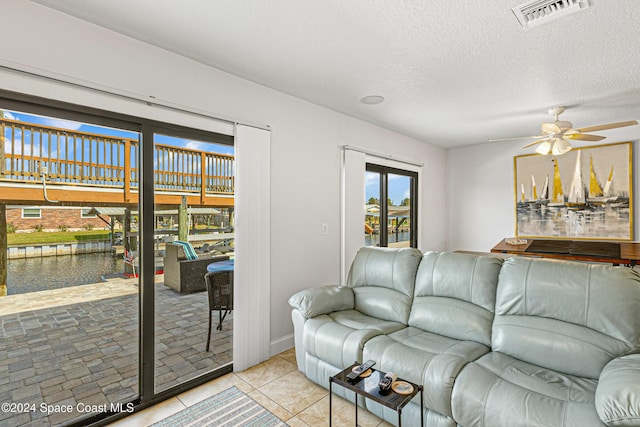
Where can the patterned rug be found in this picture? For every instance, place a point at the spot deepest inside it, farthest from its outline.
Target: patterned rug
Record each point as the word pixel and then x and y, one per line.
pixel 230 408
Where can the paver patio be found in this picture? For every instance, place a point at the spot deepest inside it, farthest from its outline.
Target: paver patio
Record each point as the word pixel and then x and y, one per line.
pixel 80 345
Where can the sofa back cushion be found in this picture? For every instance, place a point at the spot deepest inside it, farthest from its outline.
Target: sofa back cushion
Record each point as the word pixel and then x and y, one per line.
pixel 566 316
pixel 455 295
pixel 383 281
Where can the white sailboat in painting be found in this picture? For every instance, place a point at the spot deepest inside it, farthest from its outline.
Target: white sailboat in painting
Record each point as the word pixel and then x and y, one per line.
pixel 539 200
pixel 534 190
pixel 577 195
pixel 607 185
pixel 544 194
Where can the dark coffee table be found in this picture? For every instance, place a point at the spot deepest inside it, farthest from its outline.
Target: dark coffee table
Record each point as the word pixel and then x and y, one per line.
pixel 368 387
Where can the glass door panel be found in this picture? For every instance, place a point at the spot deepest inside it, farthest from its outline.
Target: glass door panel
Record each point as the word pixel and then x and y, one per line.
pixel 69 318
pixel 399 211
pixel 372 209
pixel 194 236
pixel 390 207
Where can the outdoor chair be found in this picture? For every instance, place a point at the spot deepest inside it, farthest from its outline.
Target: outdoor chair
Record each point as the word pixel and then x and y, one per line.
pixel 220 291
pixel 183 270
pixel 189 251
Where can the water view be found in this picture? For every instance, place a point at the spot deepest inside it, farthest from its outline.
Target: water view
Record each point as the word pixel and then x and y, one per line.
pixel 38 274
pixel 374 239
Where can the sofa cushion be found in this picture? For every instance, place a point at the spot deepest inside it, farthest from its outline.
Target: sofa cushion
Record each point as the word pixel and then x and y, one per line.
pixel 339 337
pixel 424 358
pixel 566 316
pixel 383 281
pixel 499 390
pixel 325 299
pixel 618 392
pixel 455 295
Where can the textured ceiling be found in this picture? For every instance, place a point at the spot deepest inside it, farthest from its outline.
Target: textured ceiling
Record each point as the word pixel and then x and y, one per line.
pixel 452 73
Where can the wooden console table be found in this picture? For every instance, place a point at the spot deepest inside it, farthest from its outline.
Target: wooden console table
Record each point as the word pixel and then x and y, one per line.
pixel 616 253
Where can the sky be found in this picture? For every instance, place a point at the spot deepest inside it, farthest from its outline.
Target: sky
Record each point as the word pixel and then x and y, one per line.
pixel 398 187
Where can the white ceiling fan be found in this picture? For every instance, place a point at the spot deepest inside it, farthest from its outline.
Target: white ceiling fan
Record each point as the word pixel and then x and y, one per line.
pixel 554 137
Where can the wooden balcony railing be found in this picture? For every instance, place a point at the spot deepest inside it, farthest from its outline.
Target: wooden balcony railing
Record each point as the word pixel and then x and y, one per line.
pixel 91 160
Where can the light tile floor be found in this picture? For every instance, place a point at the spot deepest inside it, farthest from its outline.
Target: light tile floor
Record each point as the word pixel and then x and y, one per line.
pixel 275 384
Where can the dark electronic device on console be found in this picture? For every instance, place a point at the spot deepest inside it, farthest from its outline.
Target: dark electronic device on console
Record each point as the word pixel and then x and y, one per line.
pixel 385 383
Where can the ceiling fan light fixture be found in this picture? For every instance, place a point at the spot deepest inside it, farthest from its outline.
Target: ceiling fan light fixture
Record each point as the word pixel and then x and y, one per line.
pixel 544 148
pixel 555 137
pixel 560 147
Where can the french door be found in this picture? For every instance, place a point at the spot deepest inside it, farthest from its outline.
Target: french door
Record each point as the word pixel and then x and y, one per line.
pixel 390 207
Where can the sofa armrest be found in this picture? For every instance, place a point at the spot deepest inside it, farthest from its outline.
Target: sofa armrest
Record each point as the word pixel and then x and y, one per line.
pixel 618 392
pixel 326 299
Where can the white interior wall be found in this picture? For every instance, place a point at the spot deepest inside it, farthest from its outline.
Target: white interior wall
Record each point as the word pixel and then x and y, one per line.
pixel 481 197
pixel 305 138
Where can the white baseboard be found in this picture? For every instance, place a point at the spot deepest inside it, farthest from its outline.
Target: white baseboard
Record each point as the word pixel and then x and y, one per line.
pixel 282 344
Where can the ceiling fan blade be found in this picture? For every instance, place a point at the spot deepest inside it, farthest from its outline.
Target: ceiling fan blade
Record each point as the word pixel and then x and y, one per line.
pixel 607 126
pixel 517 137
pixel 583 137
pixel 535 142
pixel 550 128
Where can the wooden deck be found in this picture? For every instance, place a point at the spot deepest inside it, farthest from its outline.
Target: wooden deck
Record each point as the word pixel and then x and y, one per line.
pixel 85 168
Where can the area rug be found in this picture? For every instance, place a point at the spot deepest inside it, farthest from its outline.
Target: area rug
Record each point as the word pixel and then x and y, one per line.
pixel 230 408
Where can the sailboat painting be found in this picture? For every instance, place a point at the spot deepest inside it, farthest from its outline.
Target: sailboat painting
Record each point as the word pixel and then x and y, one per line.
pixel 587 194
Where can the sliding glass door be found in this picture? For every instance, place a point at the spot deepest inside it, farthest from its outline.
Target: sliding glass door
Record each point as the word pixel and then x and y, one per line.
pixel 101 309
pixel 69 307
pixel 193 238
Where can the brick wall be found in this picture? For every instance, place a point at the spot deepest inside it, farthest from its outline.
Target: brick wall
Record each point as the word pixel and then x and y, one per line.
pixel 52 219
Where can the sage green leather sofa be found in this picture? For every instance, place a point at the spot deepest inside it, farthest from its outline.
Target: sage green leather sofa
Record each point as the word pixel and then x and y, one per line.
pixel 524 342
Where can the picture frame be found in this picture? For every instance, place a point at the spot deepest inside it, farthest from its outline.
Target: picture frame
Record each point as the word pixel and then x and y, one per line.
pixel 586 193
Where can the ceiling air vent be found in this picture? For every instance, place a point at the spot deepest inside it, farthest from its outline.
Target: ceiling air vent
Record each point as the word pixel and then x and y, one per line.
pixel 536 12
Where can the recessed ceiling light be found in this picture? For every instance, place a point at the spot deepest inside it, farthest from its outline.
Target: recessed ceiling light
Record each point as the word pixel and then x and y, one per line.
pixel 372 99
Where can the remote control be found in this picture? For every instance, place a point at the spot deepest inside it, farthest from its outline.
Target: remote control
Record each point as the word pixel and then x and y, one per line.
pixel 359 370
